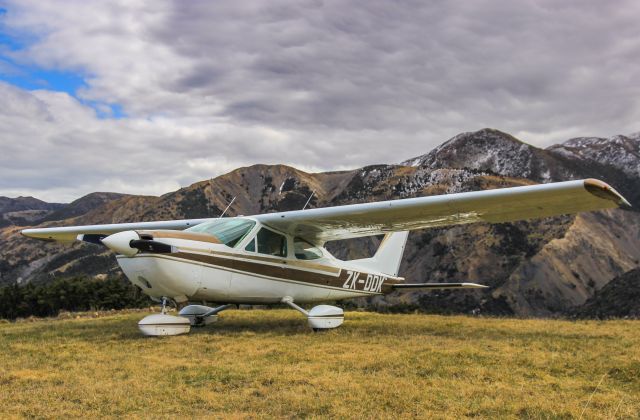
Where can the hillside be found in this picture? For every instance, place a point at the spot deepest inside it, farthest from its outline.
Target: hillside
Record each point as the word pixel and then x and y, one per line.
pixel 24 210
pixel 538 268
pixel 81 206
pixel 622 152
pixel 620 298
pixel 267 363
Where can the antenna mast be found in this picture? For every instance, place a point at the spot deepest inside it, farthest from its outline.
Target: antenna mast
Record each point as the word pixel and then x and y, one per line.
pixel 307 203
pixel 227 208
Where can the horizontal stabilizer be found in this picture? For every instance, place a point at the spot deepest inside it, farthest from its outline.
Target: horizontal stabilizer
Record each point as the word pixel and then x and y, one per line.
pixel 439 286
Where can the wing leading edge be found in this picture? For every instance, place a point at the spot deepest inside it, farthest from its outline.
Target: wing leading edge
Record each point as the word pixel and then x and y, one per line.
pixel 494 206
pixel 71 233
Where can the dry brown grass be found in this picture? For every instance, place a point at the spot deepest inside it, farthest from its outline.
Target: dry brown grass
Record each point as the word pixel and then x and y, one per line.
pixel 267 363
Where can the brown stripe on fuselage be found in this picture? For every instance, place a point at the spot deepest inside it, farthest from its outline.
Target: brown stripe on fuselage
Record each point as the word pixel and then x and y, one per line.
pixel 283 272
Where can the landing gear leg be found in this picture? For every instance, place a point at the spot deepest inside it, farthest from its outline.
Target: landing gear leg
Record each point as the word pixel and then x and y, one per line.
pixel 163 311
pixel 321 317
pixel 200 315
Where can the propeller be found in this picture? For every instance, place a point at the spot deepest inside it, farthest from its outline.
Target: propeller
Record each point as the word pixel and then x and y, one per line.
pixel 129 243
pixel 148 245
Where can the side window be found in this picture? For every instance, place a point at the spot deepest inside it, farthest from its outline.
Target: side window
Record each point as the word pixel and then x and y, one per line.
pixel 305 251
pixel 251 246
pixel 271 243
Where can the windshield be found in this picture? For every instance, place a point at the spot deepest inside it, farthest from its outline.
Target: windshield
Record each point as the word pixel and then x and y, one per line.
pixel 227 231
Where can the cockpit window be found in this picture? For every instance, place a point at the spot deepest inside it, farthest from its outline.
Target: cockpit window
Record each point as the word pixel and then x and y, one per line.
pixel 271 243
pixel 305 251
pixel 227 231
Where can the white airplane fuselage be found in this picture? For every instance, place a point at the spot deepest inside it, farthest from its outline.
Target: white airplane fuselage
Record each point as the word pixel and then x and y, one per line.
pixel 201 271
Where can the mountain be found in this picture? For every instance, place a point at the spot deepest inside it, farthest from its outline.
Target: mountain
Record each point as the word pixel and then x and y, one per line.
pixel 24 210
pixel 81 206
pixel 495 152
pixel 534 268
pixel 621 152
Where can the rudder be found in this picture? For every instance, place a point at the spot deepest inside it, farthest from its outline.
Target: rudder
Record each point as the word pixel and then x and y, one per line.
pixel 388 257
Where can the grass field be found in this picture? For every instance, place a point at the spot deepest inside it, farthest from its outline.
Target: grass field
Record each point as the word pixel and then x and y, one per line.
pixel 267 363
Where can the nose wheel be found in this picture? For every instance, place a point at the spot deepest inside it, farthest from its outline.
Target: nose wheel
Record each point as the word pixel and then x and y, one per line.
pixel 164 324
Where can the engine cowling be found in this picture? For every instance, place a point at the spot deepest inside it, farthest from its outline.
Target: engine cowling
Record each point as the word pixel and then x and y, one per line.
pixel 121 242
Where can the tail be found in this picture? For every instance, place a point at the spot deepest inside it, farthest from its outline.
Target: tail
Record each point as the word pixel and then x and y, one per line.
pixel 388 256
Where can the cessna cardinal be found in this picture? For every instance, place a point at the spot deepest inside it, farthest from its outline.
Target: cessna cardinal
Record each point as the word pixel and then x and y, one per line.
pixel 280 257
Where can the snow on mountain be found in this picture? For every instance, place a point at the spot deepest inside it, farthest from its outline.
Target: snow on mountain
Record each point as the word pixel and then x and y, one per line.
pixel 495 152
pixel 621 152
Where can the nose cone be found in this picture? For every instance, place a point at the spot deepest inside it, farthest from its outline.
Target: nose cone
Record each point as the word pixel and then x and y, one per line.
pixel 120 242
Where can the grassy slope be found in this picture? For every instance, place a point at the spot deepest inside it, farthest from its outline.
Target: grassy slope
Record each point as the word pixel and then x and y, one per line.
pixel 267 363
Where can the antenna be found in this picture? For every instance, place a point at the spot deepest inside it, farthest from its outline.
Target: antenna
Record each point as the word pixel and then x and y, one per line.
pixel 227 208
pixel 211 200
pixel 307 203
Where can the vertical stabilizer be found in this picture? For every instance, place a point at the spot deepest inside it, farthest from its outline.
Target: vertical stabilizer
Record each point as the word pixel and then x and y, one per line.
pixel 388 256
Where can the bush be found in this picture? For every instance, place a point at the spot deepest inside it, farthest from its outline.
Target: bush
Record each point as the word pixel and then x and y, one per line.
pixel 69 294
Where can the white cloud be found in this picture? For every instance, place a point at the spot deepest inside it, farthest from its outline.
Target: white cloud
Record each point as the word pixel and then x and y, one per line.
pixel 208 86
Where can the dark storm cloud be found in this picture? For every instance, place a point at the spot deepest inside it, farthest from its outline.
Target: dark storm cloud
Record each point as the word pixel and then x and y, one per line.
pixel 397 66
pixel 318 84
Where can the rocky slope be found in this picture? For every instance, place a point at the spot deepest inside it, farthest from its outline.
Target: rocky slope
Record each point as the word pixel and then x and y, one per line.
pixel 495 152
pixel 538 267
pixel 621 152
pixel 619 298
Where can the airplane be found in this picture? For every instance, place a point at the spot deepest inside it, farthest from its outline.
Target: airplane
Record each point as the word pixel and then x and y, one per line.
pixel 280 258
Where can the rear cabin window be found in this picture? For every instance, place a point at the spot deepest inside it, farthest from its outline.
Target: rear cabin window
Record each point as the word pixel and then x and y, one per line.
pixel 305 251
pixel 271 243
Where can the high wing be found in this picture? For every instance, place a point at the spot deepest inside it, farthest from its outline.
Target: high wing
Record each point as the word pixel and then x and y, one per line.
pixel 91 233
pixel 355 220
pixel 499 205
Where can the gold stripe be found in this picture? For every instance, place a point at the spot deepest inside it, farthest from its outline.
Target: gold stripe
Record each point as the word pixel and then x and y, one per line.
pixel 177 234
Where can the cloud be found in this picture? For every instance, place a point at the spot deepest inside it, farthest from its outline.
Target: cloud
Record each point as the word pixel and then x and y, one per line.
pixel 208 86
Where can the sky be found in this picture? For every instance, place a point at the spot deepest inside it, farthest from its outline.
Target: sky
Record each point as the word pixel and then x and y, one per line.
pixel 145 97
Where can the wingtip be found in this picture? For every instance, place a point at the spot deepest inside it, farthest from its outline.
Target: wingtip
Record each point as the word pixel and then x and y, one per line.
pixel 603 190
pixel 625 204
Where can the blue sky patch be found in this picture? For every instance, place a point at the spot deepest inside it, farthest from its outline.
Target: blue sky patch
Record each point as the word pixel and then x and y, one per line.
pixel 32 77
